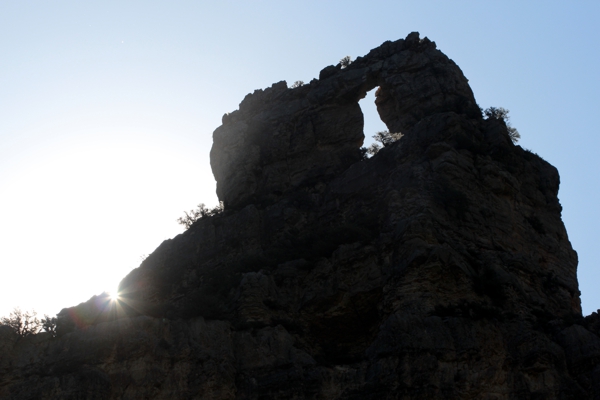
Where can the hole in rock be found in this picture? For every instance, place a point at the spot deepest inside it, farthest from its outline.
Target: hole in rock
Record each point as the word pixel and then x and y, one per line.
pixel 373 122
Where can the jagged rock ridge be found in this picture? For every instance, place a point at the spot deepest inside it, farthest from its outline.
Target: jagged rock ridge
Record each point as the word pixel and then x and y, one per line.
pixel 439 268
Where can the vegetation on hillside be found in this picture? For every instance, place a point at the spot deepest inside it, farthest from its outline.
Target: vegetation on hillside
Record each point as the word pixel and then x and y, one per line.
pixel 26 323
pixel 201 211
pixel 383 138
pixel 502 113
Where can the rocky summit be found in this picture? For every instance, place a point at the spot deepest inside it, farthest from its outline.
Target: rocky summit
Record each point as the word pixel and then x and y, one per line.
pixel 438 268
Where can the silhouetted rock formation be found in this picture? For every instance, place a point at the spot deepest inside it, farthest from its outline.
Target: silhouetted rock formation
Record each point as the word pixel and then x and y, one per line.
pixel 439 268
pixel 280 139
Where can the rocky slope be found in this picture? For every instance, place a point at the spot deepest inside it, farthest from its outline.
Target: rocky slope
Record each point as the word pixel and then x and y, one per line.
pixel 439 268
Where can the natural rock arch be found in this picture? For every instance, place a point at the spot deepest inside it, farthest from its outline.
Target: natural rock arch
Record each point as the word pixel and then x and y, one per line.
pixel 283 139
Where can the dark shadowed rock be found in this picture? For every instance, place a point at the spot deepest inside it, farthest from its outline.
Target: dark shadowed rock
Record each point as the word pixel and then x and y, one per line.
pixel 283 139
pixel 439 268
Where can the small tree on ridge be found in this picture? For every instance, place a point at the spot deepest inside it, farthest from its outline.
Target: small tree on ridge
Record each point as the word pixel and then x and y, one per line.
pixel 344 62
pixel 201 211
pixel 24 323
pixel 502 113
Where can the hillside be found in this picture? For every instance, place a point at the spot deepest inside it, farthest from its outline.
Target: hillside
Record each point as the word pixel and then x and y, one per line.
pixel 438 268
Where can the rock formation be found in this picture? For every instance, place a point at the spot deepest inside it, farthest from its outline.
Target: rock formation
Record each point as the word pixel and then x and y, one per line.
pixel 281 139
pixel 438 268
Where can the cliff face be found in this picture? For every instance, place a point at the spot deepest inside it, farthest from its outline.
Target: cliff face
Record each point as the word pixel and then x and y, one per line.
pixel 439 268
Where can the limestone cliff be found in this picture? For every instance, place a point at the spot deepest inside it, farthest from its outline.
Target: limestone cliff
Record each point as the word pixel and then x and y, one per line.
pixel 439 268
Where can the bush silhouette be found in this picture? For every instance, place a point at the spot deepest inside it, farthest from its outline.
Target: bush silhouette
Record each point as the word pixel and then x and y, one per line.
pixel 344 62
pixel 502 113
pixel 26 323
pixel 201 211
pixel 386 138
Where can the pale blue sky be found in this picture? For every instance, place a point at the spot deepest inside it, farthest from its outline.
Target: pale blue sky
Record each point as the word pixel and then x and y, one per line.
pixel 107 113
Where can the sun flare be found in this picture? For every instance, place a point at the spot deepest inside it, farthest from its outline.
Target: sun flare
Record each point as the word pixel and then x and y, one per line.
pixel 114 295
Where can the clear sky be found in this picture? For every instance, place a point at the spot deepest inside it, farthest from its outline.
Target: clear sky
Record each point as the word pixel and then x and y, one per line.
pixel 107 111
